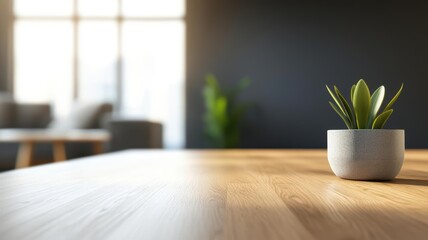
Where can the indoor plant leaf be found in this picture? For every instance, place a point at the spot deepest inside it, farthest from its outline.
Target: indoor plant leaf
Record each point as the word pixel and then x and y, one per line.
pixel 209 95
pixel 361 102
pixel 375 103
pixel 336 100
pixel 211 91
pixel 393 99
pixel 380 121
pixel 341 115
pixel 223 114
pixel 220 111
pixel 352 92
pixel 212 82
pixel 347 108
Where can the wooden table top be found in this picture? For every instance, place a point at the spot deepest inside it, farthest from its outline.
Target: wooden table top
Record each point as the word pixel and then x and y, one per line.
pixel 236 194
pixel 51 135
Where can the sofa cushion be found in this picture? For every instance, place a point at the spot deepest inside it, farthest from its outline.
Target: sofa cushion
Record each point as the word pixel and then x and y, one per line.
pixel 82 116
pixel 7 111
pixel 32 115
pixel 7 114
pixel 128 134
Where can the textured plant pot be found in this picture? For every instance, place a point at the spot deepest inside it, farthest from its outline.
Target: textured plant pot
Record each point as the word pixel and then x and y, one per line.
pixel 366 154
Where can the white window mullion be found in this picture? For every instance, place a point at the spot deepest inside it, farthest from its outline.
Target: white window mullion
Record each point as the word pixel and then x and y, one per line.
pixel 127 52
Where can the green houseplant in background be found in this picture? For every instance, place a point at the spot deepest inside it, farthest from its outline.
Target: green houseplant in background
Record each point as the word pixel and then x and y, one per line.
pixel 365 151
pixel 223 114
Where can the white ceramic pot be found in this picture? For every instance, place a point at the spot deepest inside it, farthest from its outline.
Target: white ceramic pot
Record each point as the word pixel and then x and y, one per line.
pixel 366 154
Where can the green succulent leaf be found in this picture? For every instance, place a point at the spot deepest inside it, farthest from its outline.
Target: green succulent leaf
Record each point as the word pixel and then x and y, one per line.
pixel 363 112
pixel 341 115
pixel 394 99
pixel 352 92
pixel 380 121
pixel 361 101
pixel 376 102
pixel 336 100
pixel 348 110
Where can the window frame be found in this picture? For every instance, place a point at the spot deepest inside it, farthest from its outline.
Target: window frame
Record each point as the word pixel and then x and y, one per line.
pixel 75 19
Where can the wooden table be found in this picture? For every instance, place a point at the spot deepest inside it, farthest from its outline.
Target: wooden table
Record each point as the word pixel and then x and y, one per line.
pixel 248 194
pixel 27 138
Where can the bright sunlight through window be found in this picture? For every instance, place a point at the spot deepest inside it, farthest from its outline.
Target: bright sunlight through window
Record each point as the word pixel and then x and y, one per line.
pixel 126 52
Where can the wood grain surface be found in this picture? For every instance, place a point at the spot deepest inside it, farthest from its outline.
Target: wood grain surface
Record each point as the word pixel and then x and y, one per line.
pixel 234 194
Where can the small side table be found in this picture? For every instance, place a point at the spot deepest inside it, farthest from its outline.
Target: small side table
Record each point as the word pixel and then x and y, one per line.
pixel 28 138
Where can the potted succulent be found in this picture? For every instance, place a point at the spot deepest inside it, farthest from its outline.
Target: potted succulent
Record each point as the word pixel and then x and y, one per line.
pixel 365 151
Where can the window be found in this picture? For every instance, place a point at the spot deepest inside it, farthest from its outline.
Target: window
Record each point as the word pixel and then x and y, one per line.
pixel 127 52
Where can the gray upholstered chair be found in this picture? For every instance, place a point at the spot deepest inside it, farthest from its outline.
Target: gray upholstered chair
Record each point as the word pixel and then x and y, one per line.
pixel 127 134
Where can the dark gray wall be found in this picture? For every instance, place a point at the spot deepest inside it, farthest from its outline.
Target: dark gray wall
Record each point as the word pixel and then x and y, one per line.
pixel 4 43
pixel 291 49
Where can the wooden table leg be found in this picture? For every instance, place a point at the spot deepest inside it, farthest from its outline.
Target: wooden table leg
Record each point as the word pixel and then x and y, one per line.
pixel 59 151
pixel 25 154
pixel 98 147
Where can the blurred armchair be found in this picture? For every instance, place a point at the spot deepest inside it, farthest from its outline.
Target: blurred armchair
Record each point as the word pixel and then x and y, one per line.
pixel 126 134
